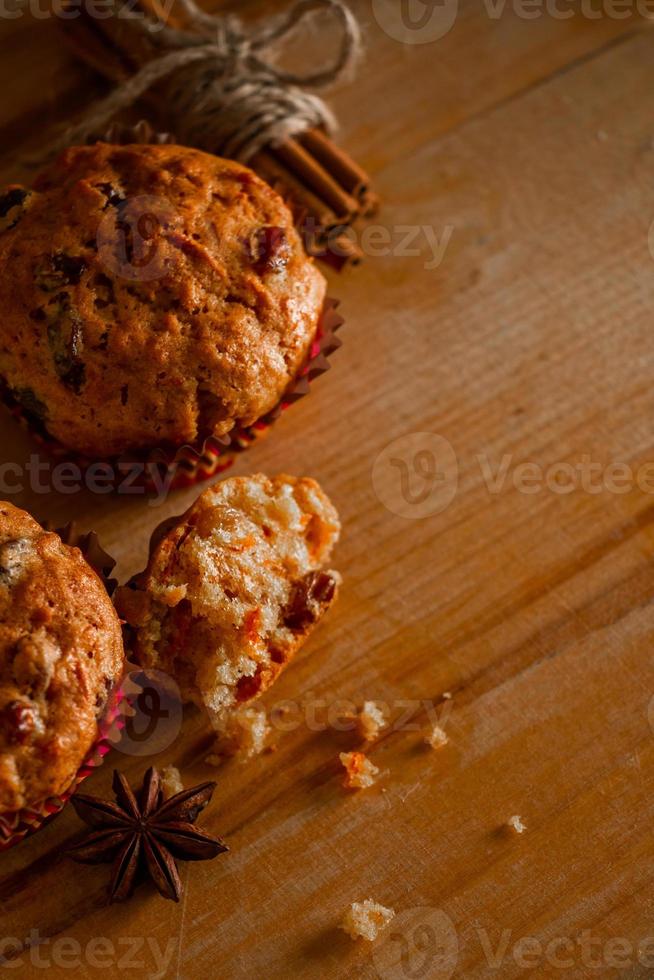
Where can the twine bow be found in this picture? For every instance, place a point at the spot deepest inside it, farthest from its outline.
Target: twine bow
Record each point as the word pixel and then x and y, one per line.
pixel 223 93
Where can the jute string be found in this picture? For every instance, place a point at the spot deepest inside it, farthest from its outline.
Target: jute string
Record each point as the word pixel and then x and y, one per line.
pixel 222 92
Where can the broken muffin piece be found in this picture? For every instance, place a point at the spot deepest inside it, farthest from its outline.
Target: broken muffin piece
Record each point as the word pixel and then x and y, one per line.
pixel 171 782
pixel 365 920
pixel 245 734
pixel 234 588
pixel 371 720
pixel 360 772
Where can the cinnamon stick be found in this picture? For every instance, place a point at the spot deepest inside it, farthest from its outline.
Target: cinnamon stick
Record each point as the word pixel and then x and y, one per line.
pixel 314 176
pixel 342 167
pixel 303 202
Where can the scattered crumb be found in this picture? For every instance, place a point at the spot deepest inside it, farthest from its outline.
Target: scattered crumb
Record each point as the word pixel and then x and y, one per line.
pixel 360 773
pixel 171 781
pixel 516 824
pixel 447 695
pixel 365 920
pixel 371 719
pixel 436 738
pixel 244 734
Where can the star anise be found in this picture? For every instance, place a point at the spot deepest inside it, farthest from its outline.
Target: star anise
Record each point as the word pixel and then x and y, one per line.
pixel 145 834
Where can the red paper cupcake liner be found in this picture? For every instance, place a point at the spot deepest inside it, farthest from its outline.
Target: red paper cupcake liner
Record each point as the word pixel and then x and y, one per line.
pixel 15 827
pixel 189 465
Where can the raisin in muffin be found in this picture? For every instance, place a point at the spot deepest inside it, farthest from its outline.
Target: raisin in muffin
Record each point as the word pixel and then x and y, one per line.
pixel 61 654
pixel 234 587
pixel 153 296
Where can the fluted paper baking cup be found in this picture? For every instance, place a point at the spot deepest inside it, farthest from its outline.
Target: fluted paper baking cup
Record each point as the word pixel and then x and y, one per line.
pixel 15 827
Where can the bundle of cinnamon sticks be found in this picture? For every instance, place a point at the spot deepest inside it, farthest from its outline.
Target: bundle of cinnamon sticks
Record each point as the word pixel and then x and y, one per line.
pixel 325 188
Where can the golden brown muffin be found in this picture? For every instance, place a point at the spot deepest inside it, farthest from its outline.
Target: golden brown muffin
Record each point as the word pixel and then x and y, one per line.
pixel 152 296
pixel 61 654
pixel 234 588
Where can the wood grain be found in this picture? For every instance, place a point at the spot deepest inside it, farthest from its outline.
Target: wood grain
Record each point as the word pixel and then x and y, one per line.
pixel 532 140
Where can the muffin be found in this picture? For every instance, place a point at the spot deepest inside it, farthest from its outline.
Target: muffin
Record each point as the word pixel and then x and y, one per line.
pixel 234 588
pixel 61 655
pixel 153 297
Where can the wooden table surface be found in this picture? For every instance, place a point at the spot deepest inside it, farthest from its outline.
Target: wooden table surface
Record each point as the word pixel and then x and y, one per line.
pixel 516 575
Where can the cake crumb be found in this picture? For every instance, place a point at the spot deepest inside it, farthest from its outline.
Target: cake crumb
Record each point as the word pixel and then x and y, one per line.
pixel 515 824
pixel 371 720
pixel 171 781
pixel 447 695
pixel 436 738
pixel 365 920
pixel 245 735
pixel 360 773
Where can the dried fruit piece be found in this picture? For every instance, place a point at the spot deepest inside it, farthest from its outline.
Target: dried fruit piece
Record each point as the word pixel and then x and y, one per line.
pixel 114 196
pixel 66 341
pixel 60 270
pixel 269 250
pixel 17 722
pixel 34 411
pixel 310 597
pixel 12 205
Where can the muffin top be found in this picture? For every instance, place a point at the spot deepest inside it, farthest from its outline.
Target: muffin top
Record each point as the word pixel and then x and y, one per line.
pixel 152 296
pixel 234 587
pixel 61 653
